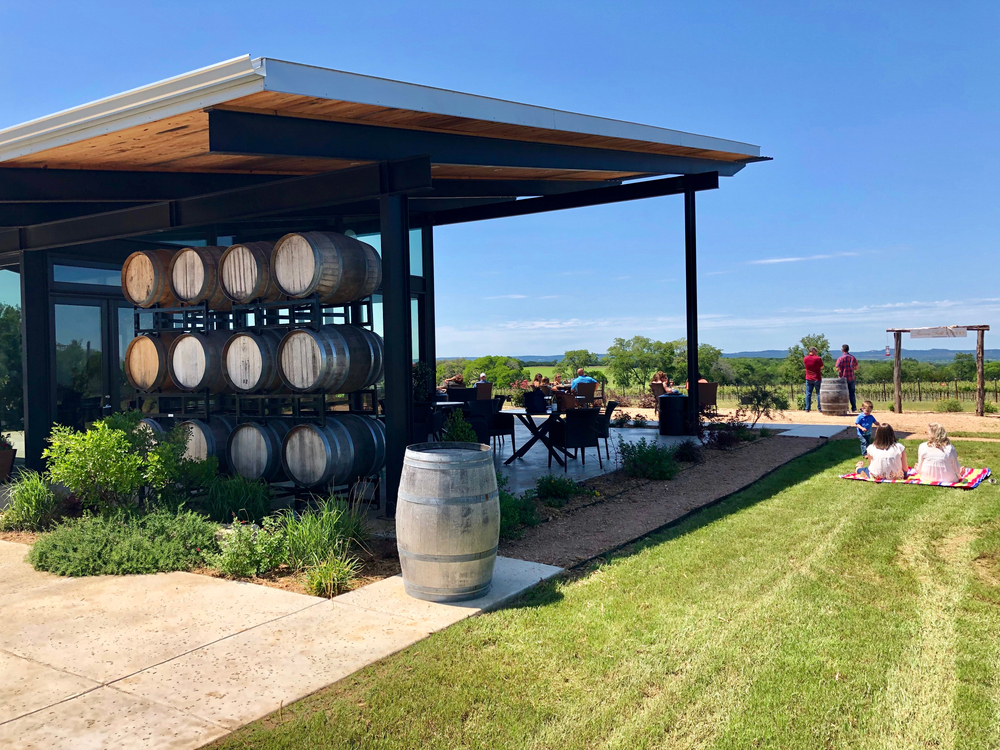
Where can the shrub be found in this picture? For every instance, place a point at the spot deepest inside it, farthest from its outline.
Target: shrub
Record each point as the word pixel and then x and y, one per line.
pixel 125 544
pixel 989 407
pixel 647 460
pixel 621 419
pixel 238 497
pixel 688 451
pixel 554 490
pixel 722 438
pixel 457 430
pixel 249 550
pixel 329 577
pixel 948 405
pixel 729 431
pixel 800 401
pixel 99 466
pixel 763 401
pixel 639 420
pixel 33 506
pixel 317 534
pixel 516 511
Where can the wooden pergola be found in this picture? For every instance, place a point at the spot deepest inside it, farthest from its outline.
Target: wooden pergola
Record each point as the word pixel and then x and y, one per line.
pixel 897 370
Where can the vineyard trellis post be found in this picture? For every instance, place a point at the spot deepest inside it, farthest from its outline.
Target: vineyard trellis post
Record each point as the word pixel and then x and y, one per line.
pixel 941 332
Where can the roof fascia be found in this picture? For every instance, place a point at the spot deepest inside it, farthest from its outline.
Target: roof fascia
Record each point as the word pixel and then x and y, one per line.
pixel 201 88
pixel 306 80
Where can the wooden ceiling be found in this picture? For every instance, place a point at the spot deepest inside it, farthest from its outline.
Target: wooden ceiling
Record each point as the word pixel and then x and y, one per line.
pixel 181 143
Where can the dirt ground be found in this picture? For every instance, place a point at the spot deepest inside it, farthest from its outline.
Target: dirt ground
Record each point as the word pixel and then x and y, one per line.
pixel 627 509
pixel 20 537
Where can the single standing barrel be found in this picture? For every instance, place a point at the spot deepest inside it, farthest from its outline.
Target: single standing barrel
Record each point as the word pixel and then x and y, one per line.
pixel 194 277
pixel 195 361
pixel 333 359
pixel 145 278
pixel 338 452
pixel 447 521
pixel 246 273
pixel 833 396
pixel 254 450
pixel 336 267
pixel 207 439
pixel 146 362
pixel 251 361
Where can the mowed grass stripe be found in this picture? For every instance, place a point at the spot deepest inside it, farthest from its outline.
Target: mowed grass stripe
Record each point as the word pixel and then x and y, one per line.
pixel 787 616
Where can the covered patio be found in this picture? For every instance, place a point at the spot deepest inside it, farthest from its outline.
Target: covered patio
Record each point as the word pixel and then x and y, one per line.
pixel 252 149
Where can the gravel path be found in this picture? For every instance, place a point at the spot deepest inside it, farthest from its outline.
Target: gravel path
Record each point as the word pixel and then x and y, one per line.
pixel 579 535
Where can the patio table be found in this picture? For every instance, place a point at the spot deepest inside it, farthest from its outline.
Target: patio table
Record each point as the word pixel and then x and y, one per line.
pixel 538 432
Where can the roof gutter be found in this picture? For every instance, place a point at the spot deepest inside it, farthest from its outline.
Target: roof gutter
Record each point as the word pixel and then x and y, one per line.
pixel 186 93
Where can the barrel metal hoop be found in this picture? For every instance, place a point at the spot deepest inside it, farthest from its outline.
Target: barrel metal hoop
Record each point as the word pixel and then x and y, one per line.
pixel 471 557
pixel 457 591
pixel 467 500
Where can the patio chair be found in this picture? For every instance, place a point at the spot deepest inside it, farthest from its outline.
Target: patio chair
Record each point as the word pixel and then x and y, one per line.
pixel 708 398
pixel 564 401
pixel 579 430
pixel 479 415
pixel 422 416
pixel 534 402
pixel 484 391
pixel 462 394
pixel 604 426
pixel 503 424
pixel 658 390
pixel 587 392
pixel 437 425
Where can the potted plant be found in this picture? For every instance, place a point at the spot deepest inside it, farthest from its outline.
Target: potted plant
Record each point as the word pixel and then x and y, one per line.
pixel 7 453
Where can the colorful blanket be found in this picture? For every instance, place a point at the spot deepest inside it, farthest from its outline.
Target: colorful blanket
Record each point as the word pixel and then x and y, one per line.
pixel 969 479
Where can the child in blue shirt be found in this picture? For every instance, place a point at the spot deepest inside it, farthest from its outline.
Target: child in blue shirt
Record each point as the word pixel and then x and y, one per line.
pixel 864 422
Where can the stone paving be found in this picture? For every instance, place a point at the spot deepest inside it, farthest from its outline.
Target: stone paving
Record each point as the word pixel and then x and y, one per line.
pixel 175 660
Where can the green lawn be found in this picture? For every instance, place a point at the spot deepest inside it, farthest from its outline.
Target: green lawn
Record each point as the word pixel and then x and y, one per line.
pixel 962 433
pixel 548 372
pixel 805 612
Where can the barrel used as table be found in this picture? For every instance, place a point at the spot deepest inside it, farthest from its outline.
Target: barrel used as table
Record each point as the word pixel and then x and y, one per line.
pixel 346 448
pixel 145 278
pixel 333 266
pixel 250 360
pixel 245 273
pixel 833 396
pixel 672 412
pixel 194 277
pixel 332 359
pixel 146 362
pixel 447 521
pixel 206 439
pixel 254 450
pixel 195 361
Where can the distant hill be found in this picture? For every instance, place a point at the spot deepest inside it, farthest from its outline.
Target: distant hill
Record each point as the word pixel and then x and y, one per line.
pixel 921 355
pixel 539 358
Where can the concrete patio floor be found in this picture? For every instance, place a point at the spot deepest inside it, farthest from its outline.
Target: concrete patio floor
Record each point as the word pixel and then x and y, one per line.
pixel 175 660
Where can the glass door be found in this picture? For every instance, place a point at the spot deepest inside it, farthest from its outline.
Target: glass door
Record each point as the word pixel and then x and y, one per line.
pixel 91 336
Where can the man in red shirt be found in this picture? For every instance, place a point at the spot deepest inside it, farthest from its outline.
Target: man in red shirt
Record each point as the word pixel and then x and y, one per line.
pixel 814 376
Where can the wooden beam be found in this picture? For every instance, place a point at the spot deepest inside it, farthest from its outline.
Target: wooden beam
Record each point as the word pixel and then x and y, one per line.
pixel 980 372
pixel 897 371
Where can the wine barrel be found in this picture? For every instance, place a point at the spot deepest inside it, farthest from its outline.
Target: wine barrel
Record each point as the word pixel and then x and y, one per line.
pixel 334 266
pixel 245 273
pixel 194 277
pixel 333 359
pixel 447 521
pixel 833 396
pixel 154 427
pixel 207 439
pixel 146 362
pixel 251 361
pixel 195 361
pixel 254 450
pixel 343 449
pixel 145 278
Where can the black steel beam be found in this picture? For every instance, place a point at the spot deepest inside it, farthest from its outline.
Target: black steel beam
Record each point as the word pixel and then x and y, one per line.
pixel 519 188
pixel 23 214
pixel 428 326
pixel 397 335
pixel 37 351
pixel 344 186
pixel 580 199
pixel 246 133
pixel 95 186
pixel 691 296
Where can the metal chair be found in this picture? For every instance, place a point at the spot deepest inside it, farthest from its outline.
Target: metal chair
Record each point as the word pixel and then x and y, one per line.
pixel 658 390
pixel 422 417
pixel 503 425
pixel 534 402
pixel 708 398
pixel 579 430
pixel 484 391
pixel 604 426
pixel 462 394
pixel 587 392
pixel 564 401
pixel 479 415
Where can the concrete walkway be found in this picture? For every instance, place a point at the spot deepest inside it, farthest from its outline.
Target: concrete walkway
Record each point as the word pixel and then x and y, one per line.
pixel 176 660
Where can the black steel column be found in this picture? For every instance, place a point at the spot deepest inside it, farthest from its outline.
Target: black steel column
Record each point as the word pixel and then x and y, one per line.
pixel 394 223
pixel 428 344
pixel 691 278
pixel 36 349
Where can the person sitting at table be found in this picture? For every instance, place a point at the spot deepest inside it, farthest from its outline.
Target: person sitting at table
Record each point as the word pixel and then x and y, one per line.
pixel 661 378
pixel 546 387
pixel 701 379
pixel 455 381
pixel 581 377
pixel 558 383
pixel 537 382
pixel 482 378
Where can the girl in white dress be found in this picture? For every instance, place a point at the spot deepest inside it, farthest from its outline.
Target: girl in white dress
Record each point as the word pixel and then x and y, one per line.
pixel 937 460
pixel 888 457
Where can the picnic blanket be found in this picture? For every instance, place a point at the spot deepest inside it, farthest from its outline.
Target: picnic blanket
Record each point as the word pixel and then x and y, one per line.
pixel 968 479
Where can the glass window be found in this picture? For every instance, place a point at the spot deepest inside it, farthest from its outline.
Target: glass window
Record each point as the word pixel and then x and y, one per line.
pixel 11 373
pixel 87 275
pixel 377 314
pixel 126 332
pixel 415 328
pixel 416 249
pixel 79 376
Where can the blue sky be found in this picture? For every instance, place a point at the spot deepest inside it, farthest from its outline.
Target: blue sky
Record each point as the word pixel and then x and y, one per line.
pixel 881 207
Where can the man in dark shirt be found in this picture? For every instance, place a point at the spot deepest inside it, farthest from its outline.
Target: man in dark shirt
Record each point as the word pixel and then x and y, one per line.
pixel 847 365
pixel 814 376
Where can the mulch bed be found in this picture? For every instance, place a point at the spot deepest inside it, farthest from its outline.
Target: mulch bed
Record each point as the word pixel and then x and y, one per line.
pixel 626 509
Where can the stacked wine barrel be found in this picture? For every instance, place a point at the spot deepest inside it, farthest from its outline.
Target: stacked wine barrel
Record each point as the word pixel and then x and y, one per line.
pixel 334 268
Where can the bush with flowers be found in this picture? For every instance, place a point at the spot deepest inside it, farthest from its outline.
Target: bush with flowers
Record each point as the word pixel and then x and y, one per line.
pixel 517 390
